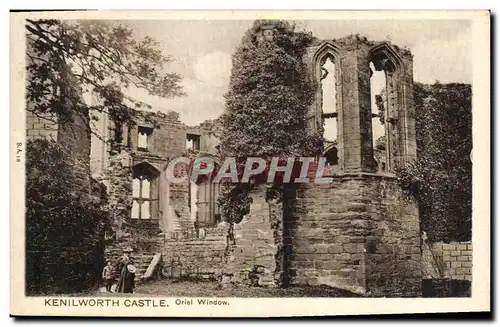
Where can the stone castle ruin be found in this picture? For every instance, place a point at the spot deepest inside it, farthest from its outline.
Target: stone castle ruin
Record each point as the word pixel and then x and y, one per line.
pixel 359 233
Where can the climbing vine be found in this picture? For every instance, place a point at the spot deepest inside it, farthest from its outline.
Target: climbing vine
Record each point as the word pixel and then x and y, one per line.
pixel 444 167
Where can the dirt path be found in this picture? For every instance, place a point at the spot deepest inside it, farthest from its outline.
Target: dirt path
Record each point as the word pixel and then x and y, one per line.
pixel 213 289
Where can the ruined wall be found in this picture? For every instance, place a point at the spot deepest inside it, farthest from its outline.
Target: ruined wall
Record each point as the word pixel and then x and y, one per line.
pixel 166 142
pixel 171 222
pixel 447 260
pixel 352 56
pixel 73 135
pixel 393 252
pixel 355 234
pixel 252 259
pixel 249 258
pixel 199 257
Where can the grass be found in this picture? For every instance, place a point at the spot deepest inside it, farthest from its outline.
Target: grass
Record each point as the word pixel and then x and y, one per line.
pixel 167 288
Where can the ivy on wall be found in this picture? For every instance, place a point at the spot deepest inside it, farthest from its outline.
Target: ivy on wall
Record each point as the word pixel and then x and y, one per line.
pixel 441 178
pixel 266 105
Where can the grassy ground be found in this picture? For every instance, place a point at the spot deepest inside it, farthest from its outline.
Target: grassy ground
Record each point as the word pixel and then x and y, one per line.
pixel 213 289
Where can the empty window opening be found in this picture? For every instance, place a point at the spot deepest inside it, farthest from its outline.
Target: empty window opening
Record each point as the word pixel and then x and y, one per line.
pixel 193 200
pixel 331 155
pixel 144 138
pixel 141 194
pixel 206 203
pixel 144 192
pixel 378 98
pixel 192 142
pixel 329 104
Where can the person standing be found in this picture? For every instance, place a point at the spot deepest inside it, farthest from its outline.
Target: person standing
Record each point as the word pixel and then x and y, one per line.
pixel 126 282
pixel 129 283
pixel 107 276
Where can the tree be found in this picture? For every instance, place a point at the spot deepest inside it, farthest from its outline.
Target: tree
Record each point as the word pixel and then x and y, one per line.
pixel 441 179
pixel 267 103
pixel 68 58
pixel 60 218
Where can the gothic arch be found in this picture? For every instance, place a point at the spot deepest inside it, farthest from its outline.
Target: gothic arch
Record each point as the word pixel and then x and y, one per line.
pixel 327 50
pixel 384 57
pixel 145 191
pixel 145 168
pixel 331 154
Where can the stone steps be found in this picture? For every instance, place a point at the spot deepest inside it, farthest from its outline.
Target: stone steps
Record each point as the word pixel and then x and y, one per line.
pixel 141 262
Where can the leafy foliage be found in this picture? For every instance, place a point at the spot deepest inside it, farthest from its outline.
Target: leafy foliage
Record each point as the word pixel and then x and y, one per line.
pixel 441 179
pixel 59 218
pixel 267 102
pixel 381 143
pixel 66 58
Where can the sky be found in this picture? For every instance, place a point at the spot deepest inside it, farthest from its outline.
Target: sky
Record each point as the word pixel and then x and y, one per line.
pixel 201 51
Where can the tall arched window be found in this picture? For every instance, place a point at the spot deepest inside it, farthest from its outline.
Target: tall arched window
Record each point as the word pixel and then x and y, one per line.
pixel 377 100
pixel 329 103
pixel 144 192
pixel 326 72
pixel 384 64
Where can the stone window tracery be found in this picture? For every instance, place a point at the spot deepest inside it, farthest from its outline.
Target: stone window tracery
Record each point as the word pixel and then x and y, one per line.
pixel 384 105
pixel 144 192
pixel 327 74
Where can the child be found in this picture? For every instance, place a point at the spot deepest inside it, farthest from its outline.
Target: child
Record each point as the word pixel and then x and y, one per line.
pixel 107 276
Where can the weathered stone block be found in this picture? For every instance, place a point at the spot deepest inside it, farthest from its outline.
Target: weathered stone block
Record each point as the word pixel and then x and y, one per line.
pixel 335 248
pixel 463 271
pixel 351 248
pixel 449 247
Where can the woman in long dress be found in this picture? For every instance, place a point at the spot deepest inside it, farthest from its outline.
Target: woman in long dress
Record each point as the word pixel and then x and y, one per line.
pixel 127 276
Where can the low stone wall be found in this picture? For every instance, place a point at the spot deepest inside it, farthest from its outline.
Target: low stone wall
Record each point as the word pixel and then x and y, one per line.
pixel 199 258
pixel 447 260
pixel 358 233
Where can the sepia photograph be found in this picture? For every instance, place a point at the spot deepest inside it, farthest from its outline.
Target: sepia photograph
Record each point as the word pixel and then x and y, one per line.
pixel 189 162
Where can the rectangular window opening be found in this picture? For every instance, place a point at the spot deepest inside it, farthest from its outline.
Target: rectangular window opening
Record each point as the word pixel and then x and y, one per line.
pixel 193 142
pixel 144 138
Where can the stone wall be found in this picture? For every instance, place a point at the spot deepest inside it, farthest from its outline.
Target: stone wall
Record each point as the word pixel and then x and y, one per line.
pixel 199 257
pixel 40 126
pixel 443 260
pixel 356 233
pixel 166 142
pixel 73 135
pixel 248 257
pixel 252 259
